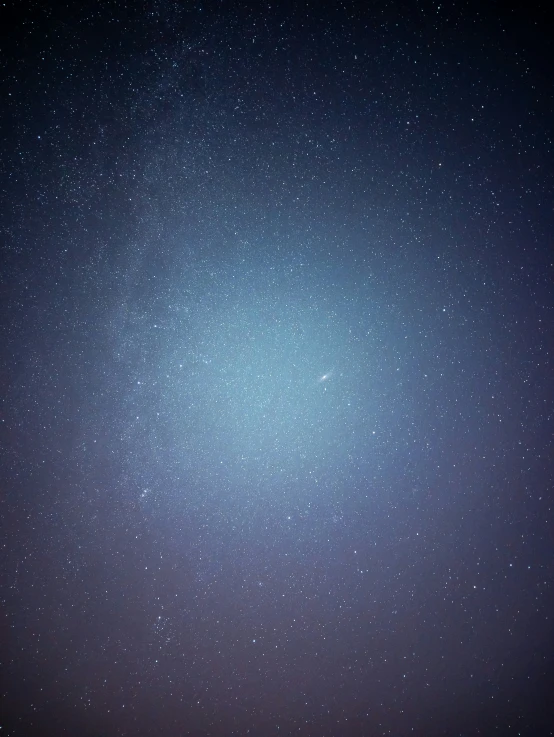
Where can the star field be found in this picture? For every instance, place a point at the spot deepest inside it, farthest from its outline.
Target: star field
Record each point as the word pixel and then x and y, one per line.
pixel 276 370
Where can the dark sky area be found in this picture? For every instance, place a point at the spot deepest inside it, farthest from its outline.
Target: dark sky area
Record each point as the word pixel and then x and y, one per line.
pixel 276 372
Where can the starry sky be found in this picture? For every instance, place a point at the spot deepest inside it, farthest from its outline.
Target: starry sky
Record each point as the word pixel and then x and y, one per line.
pixel 276 369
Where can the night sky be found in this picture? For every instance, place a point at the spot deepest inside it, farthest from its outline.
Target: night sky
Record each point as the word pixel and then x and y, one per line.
pixel 276 372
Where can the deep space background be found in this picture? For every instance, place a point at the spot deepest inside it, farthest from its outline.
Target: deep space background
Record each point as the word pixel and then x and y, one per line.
pixel 276 369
